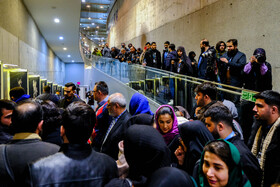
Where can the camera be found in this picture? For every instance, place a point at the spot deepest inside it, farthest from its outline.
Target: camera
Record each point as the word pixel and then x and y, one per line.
pixel 210 53
pixel 260 58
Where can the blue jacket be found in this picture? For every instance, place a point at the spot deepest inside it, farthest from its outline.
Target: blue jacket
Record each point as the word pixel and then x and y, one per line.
pixel 170 56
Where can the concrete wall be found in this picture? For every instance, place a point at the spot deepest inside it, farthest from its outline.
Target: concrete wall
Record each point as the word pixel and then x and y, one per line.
pixel 255 23
pixel 74 73
pixel 21 43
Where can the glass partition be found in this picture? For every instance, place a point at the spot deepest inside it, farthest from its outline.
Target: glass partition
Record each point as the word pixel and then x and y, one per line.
pixel 162 86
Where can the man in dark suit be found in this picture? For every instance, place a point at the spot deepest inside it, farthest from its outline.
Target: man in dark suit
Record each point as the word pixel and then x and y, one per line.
pixel 26 145
pixel 69 95
pixel 115 133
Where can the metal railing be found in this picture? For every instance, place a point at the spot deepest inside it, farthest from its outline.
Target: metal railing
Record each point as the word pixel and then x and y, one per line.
pixel 163 86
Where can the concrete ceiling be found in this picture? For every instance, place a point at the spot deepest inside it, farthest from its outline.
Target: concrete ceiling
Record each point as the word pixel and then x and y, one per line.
pixel 87 16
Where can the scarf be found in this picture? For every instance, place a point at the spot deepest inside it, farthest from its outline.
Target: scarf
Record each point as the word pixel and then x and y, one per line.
pixel 168 137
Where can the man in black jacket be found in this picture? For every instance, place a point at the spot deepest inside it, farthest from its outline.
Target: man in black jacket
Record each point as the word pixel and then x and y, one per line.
pixel 266 146
pixel 234 61
pixel 117 128
pixel 26 145
pixel 69 95
pixel 153 57
pixel 47 95
pixel 218 120
pixel 76 163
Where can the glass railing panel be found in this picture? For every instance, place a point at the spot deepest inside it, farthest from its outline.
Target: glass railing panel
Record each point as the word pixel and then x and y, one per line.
pixel 163 86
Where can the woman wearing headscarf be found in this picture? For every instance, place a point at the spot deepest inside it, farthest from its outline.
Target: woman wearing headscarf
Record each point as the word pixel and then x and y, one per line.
pixel 194 135
pixel 184 65
pixel 257 72
pixel 220 166
pixel 167 125
pixel 145 151
pixel 139 104
pixel 170 176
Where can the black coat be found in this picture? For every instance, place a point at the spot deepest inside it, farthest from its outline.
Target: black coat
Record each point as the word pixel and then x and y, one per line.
pixel 153 61
pixel 76 165
pixel 236 64
pixel 250 164
pixel 20 153
pixel 49 96
pixel 255 81
pixel 110 146
pixel 63 103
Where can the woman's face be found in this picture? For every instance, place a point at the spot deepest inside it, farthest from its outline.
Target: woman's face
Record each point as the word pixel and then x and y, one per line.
pixel 165 122
pixel 215 170
pixel 179 53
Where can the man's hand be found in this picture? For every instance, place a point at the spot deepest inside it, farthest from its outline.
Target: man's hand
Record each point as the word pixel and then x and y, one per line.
pixel 224 60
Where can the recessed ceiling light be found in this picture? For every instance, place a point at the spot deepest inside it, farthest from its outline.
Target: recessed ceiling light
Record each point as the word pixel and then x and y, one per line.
pixel 88 6
pixel 92 23
pixel 89 18
pixel 83 1
pixel 88 27
pixel 101 6
pixel 100 18
pixel 68 56
pixel 97 27
pixel 61 38
pixel 56 20
pixel 73 61
pixel 64 48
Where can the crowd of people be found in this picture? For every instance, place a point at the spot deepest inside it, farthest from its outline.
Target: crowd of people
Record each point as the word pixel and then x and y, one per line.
pixel 66 142
pixel 223 63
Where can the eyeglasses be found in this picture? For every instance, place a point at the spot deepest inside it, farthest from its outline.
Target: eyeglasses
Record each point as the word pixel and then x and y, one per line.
pixel 67 91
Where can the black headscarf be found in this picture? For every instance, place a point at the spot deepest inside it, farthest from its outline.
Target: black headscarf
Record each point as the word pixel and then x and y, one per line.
pixel 186 59
pixel 145 119
pixel 170 176
pixel 195 135
pixel 145 151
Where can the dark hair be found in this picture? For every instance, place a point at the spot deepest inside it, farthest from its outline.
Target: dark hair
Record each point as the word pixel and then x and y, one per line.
pixel 51 116
pixel 207 88
pixel 71 84
pixel 102 86
pixel 165 110
pixel 205 42
pixel 148 43
pixel 233 41
pixel 219 44
pixel 219 114
pixel 191 55
pixel 27 116
pixel 17 92
pixel 172 47
pixel 272 98
pixel 78 121
pixel 167 42
pixel 222 150
pixel 153 43
pixel 6 104
pixel 47 89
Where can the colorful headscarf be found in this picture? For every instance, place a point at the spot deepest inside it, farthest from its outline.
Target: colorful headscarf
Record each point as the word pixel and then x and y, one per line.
pixel 139 104
pixel 235 174
pixel 168 137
